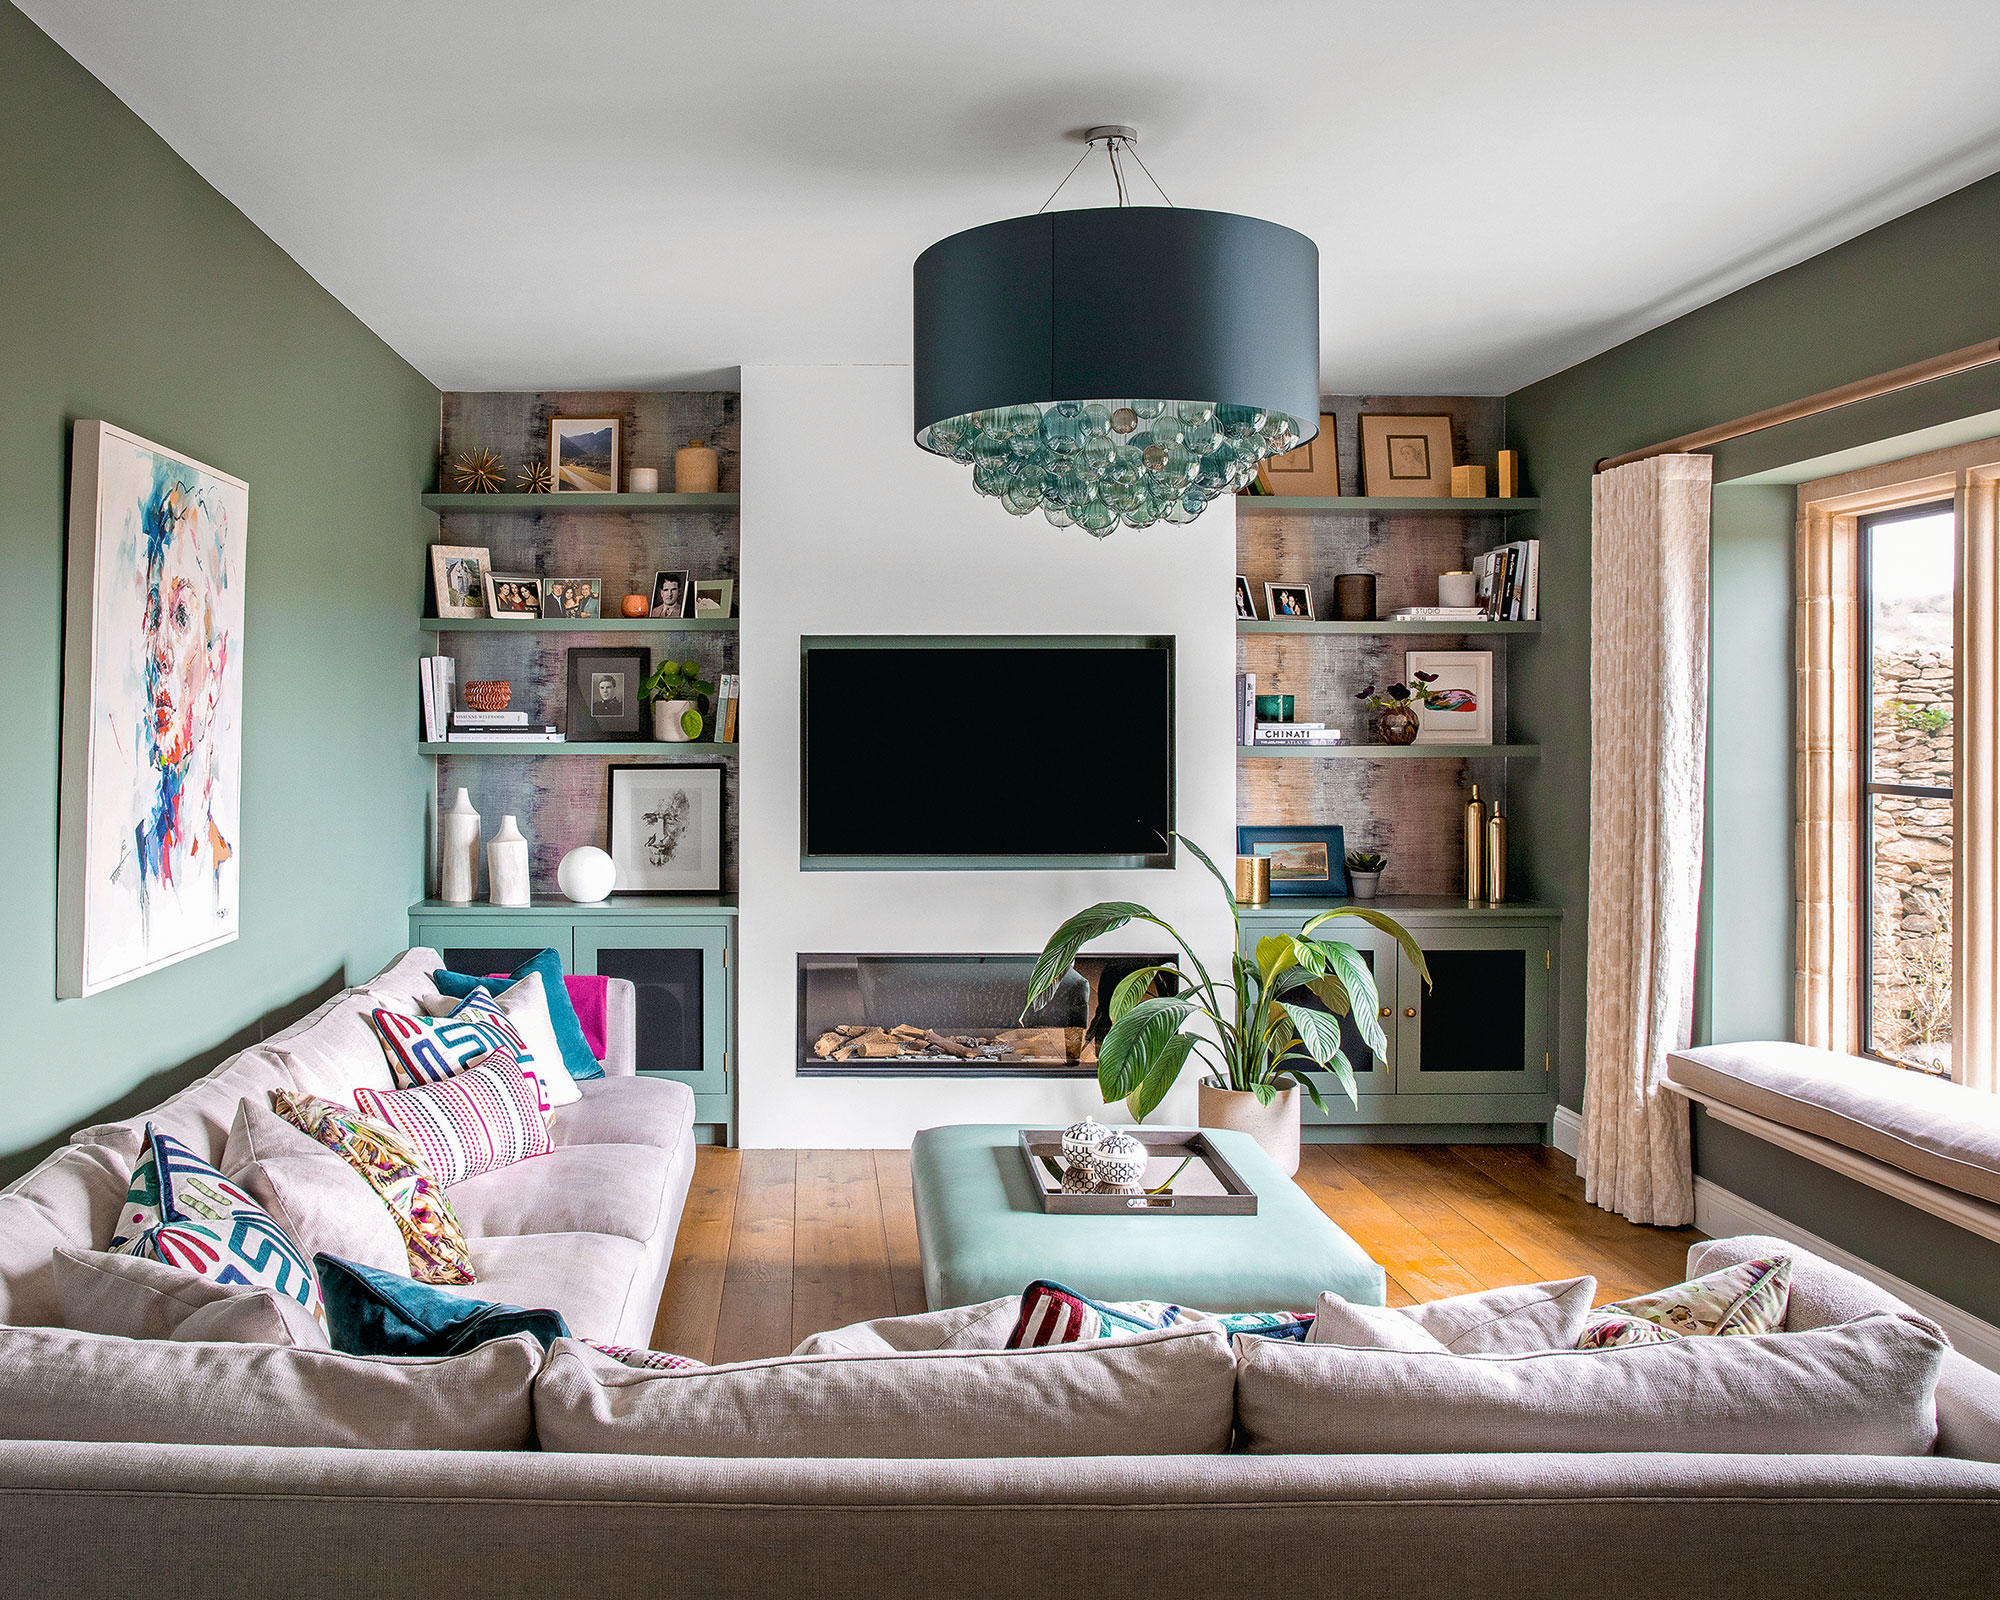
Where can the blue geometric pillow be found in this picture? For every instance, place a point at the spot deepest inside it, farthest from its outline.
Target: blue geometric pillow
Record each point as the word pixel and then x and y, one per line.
pixel 181 1211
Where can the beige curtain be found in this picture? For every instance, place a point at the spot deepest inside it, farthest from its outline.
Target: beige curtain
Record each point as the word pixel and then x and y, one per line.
pixel 1648 718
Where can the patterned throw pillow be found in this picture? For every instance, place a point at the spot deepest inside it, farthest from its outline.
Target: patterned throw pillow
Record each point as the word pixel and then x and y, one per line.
pixel 1749 1297
pixel 525 1007
pixel 183 1213
pixel 396 1171
pixel 646 1360
pixel 1052 1314
pixel 430 1049
pixel 486 1117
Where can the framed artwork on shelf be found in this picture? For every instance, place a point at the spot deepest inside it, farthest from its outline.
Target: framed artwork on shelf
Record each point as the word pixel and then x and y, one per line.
pixel 670 594
pixel 150 820
pixel 1405 456
pixel 665 828
pixel 458 573
pixel 713 598
pixel 513 594
pixel 1305 861
pixel 1465 679
pixel 1246 606
pixel 583 454
pixel 1282 600
pixel 571 598
pixel 604 699
pixel 1312 469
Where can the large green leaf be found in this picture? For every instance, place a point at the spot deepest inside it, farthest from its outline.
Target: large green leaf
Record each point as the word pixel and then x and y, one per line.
pixel 1318 1033
pixel 1344 962
pixel 1303 1080
pixel 1201 855
pixel 1165 1069
pixel 1060 952
pixel 1387 923
pixel 1135 1041
pixel 1133 986
pixel 1332 993
pixel 1274 953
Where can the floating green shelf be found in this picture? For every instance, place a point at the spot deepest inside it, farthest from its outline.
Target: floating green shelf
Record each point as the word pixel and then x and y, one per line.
pixel 1442 626
pixel 581 502
pixel 1271 505
pixel 583 747
pixel 1393 752
pixel 579 624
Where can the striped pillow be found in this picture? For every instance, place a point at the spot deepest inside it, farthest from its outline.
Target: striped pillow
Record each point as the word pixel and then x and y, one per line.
pixel 486 1117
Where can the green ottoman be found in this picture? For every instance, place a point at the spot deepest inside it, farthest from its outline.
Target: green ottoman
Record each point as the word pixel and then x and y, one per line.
pixel 983 1234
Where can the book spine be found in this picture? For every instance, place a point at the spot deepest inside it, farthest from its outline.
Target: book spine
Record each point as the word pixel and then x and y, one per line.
pixel 432 733
pixel 1246 707
pixel 489 719
pixel 1532 612
pixel 457 737
pixel 735 693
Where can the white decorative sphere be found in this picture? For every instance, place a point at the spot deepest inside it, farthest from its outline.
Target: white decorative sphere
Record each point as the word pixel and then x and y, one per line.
pixel 586 874
pixel 1080 1138
pixel 1119 1159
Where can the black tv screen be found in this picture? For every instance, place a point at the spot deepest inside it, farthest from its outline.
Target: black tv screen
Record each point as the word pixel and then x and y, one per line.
pixel 988 754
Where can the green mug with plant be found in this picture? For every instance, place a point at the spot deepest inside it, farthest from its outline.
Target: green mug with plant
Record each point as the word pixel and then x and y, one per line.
pixel 682 682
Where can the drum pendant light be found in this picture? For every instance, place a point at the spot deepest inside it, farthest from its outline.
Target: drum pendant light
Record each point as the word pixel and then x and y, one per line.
pixel 1121 364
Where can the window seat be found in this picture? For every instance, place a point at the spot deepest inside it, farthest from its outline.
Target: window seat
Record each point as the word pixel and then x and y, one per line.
pixel 1926 1141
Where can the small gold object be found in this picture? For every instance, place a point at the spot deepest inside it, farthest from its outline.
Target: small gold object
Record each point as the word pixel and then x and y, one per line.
pixel 536 479
pixel 1253 880
pixel 1475 847
pixel 1496 857
pixel 1468 483
pixel 480 472
pixel 1509 473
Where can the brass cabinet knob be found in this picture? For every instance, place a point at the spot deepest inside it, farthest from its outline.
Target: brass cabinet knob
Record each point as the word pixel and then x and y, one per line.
pixel 1409 1011
pixel 1388 1011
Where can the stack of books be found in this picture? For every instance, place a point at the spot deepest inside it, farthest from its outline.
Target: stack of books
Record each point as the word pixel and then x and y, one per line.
pixel 1510 581
pixel 1294 733
pixel 435 681
pixel 1439 614
pixel 725 708
pixel 498 727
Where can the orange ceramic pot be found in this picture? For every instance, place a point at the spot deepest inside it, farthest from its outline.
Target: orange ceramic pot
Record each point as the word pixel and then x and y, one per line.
pixel 633 605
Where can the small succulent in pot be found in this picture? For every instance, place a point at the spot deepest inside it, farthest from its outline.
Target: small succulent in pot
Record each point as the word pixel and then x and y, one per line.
pixel 1364 872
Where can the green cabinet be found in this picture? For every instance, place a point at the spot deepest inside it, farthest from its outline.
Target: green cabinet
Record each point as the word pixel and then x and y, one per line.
pixel 679 957
pixel 1471 1055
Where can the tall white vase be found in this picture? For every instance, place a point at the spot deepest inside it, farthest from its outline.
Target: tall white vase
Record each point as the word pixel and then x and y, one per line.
pixel 507 866
pixel 458 872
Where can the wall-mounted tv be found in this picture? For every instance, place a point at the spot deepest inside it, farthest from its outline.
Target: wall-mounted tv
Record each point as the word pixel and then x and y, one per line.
pixel 987 753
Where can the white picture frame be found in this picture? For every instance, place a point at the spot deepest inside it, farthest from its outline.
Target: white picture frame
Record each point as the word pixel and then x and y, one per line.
pixel 1288 602
pixel 711 599
pixel 458 576
pixel 584 453
pixel 664 828
pixel 1463 672
pixel 149 832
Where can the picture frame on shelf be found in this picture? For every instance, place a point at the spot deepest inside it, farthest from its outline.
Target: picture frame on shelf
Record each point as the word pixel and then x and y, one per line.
pixel 1465 676
pixel 603 693
pixel 664 828
pixel 584 454
pixel 513 594
pixel 1288 601
pixel 1405 456
pixel 1313 468
pixel 1246 604
pixel 572 599
pixel 1307 861
pixel 458 575
pixel 713 598
pixel 670 595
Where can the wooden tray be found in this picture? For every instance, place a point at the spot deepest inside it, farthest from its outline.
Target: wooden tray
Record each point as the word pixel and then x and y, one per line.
pixel 1190 1175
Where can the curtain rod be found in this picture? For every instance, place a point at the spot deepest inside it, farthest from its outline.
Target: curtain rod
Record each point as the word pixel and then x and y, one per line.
pixel 1973 355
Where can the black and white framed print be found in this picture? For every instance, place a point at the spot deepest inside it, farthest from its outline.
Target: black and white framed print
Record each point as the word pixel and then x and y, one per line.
pixel 605 693
pixel 670 594
pixel 665 828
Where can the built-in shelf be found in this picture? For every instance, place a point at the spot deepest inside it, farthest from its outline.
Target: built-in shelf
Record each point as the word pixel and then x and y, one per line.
pixel 1299 505
pixel 582 624
pixel 1433 908
pixel 1394 752
pixel 651 906
pixel 581 502
pixel 582 747
pixel 1294 625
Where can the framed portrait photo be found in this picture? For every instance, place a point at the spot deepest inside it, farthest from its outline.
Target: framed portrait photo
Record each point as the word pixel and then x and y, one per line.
pixel 1246 606
pixel 1465 678
pixel 571 598
pixel 713 598
pixel 458 573
pixel 670 595
pixel 665 828
pixel 1283 601
pixel 1304 860
pixel 605 699
pixel 583 454
pixel 1312 469
pixel 513 594
pixel 1405 456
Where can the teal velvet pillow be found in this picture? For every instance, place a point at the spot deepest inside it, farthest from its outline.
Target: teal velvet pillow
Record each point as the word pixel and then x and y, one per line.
pixel 374 1313
pixel 562 1015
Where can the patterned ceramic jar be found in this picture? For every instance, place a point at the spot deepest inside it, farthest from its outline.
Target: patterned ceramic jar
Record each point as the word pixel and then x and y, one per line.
pixel 1118 1159
pixel 1080 1138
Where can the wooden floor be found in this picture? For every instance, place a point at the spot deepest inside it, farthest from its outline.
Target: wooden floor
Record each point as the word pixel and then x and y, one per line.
pixel 778 1244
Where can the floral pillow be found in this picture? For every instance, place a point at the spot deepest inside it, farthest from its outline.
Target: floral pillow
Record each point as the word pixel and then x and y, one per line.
pixel 1052 1314
pixel 1749 1297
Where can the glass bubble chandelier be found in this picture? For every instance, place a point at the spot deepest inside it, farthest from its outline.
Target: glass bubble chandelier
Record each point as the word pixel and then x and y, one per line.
pixel 1116 365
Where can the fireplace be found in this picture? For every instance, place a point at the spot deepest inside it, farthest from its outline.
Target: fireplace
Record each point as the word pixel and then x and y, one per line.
pixel 955 1016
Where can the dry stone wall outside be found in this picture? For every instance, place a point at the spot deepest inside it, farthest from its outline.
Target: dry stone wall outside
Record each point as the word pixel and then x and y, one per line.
pixel 1913 858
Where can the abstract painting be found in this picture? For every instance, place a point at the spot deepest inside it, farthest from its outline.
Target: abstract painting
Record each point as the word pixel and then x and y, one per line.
pixel 665 829
pixel 152 710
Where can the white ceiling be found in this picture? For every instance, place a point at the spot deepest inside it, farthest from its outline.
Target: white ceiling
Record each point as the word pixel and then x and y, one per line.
pixel 612 193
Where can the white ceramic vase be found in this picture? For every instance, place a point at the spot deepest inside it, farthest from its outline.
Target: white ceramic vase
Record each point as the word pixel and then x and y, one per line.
pixel 1275 1127
pixel 458 865
pixel 667 720
pixel 507 866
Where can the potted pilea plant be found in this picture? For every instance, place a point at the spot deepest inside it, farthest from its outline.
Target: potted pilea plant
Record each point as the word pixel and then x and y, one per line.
pixel 1400 702
pixel 672 688
pixel 1364 872
pixel 1254 1035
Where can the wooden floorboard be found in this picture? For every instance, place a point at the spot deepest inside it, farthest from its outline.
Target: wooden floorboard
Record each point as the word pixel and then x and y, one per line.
pixel 779 1244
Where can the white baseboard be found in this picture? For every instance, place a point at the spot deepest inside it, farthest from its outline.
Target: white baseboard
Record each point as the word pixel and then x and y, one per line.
pixel 1720 1213
pixel 1567 1135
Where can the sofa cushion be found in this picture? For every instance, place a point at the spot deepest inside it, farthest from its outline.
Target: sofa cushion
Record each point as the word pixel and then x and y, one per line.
pixel 1164 1393
pixel 74 1199
pixel 371 1313
pixel 59 1384
pixel 133 1297
pixel 1052 1313
pixel 593 1188
pixel 522 1008
pixel 316 1196
pixel 652 1111
pixel 562 1012
pixel 1749 1297
pixel 588 1277
pixel 259 1316
pixel 336 1050
pixel 1505 1321
pixel 1860 1388
pixel 984 1326
pixel 199 1115
pixel 487 1117
pixel 1358 1327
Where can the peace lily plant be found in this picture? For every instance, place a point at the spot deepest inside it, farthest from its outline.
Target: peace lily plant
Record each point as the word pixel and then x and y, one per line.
pixel 1252 1034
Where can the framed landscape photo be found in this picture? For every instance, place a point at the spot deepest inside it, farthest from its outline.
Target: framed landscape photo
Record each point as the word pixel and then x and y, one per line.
pixel 1465 678
pixel 712 598
pixel 670 595
pixel 1305 861
pixel 513 594
pixel 571 598
pixel 604 698
pixel 1405 456
pixel 583 454
pixel 1288 600
pixel 1312 469
pixel 458 573
pixel 665 828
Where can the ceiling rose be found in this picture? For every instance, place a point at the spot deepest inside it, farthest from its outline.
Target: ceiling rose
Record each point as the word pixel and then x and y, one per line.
pixel 1121 364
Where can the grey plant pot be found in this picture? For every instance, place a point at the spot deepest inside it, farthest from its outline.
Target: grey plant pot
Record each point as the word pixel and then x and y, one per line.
pixel 1362 885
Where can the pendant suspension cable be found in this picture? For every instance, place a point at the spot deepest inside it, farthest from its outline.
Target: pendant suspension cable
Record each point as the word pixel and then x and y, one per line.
pixel 1117 172
pixel 1155 182
pixel 1058 189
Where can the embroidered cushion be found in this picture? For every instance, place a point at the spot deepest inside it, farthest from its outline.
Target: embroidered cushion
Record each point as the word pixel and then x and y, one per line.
pixel 562 1014
pixel 372 1313
pixel 1749 1297
pixel 181 1211
pixel 486 1117
pixel 1052 1314
pixel 431 1049
pixel 397 1172
pixel 524 1009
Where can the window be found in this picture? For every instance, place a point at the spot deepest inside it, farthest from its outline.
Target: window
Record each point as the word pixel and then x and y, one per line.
pixel 1907 601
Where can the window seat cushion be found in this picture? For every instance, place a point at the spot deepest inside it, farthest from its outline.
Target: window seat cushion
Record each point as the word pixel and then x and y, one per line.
pixel 1927 1126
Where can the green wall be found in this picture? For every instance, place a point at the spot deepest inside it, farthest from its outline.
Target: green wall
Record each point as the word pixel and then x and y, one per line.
pixel 134 292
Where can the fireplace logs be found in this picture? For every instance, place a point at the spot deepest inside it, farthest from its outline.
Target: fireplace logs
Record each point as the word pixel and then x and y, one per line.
pixel 906 1042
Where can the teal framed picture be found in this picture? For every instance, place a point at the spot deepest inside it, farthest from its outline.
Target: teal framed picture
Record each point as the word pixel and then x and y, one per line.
pixel 1305 861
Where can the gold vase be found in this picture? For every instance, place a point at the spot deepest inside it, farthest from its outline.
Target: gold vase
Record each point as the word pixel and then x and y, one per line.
pixel 1475 847
pixel 1496 857
pixel 1253 880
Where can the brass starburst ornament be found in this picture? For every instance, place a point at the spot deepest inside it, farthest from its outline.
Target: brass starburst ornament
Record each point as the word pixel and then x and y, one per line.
pixel 480 472
pixel 535 479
